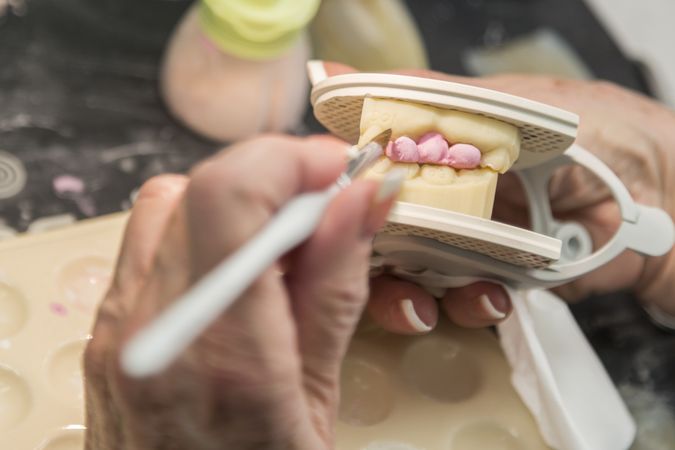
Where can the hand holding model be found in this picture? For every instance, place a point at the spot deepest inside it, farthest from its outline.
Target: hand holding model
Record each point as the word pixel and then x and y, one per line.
pixel 265 374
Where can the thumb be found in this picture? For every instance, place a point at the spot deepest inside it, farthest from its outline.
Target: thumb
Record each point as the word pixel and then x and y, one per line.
pixel 328 278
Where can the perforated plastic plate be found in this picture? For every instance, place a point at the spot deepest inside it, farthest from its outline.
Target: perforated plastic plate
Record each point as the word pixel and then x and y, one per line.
pixel 546 131
pixel 498 240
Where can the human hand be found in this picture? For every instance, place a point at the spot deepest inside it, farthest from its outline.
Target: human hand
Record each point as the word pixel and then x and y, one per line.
pixel 632 134
pixel 265 373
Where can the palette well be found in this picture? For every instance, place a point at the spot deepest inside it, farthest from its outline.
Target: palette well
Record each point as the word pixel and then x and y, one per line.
pixel 449 390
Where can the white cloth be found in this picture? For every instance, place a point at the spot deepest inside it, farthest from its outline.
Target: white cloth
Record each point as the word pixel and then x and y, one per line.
pixel 560 378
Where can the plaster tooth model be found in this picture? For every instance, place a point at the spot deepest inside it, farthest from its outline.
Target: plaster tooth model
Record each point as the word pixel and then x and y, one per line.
pixel 452 158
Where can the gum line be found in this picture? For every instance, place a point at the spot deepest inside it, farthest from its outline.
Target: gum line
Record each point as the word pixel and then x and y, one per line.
pixel 431 173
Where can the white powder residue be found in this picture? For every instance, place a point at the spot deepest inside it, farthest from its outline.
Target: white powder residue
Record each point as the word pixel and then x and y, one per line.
pixel 656 422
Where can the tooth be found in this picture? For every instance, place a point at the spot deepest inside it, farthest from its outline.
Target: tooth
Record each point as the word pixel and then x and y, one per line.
pixel 411 169
pixel 475 175
pixel 383 165
pixel 438 174
pixel 496 160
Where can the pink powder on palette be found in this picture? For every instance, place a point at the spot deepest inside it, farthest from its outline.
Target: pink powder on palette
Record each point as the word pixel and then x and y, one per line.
pixel 58 309
pixel 65 184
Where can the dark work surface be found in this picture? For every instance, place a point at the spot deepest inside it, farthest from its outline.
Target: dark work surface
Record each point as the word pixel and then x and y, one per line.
pixel 78 97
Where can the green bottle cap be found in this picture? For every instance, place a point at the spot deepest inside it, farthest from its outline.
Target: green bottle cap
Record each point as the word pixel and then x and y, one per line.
pixel 256 29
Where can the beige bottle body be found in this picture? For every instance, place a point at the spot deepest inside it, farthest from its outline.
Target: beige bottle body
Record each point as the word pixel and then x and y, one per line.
pixel 227 98
pixel 370 35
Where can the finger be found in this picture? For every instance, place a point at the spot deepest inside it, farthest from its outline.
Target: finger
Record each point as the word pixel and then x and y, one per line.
pixel 328 281
pixel 325 142
pixel 401 307
pixel 477 305
pixel 556 92
pixel 511 204
pixel 602 222
pixel 156 202
pixel 335 68
pixel 605 279
pixel 154 205
pixel 234 195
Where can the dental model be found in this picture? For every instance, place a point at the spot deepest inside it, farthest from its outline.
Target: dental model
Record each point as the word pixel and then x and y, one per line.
pixel 451 158
pixel 440 226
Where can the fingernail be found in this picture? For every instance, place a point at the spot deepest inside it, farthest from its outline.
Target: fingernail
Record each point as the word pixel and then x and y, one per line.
pixel 382 201
pixel 492 310
pixel 316 71
pixel 408 309
pixel 390 185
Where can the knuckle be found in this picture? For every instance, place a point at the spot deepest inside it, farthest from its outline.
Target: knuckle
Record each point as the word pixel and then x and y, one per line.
pixel 231 188
pixel 348 299
pixel 205 182
pixel 237 173
pixel 162 187
pixel 234 185
pixel 260 148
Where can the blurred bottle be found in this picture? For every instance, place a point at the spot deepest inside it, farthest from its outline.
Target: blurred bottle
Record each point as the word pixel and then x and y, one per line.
pixel 370 35
pixel 235 68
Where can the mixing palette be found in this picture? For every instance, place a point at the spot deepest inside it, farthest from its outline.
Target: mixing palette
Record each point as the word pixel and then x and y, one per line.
pixel 50 285
pixel 449 390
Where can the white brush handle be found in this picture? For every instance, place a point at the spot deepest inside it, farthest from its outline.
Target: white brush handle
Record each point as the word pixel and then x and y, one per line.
pixel 157 345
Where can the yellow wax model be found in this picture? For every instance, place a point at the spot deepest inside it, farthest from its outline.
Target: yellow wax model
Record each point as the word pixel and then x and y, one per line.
pixel 464 190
